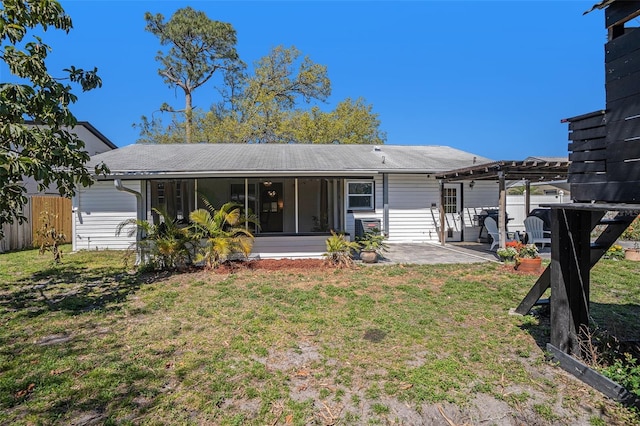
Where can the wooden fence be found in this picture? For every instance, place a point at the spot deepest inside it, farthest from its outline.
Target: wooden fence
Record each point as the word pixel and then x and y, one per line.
pixel 21 236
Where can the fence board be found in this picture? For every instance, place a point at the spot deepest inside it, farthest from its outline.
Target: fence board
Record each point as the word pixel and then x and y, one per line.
pixel 59 209
pixel 17 236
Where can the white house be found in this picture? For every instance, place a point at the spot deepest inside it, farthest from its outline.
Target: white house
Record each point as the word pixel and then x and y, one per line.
pixel 94 143
pixel 299 192
pixel 20 236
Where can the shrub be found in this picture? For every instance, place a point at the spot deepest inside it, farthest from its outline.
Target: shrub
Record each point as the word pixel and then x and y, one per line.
pixel 339 250
pixel 614 252
pixel 50 237
pixel 625 372
pixel 160 246
pixel 225 232
pixel 372 241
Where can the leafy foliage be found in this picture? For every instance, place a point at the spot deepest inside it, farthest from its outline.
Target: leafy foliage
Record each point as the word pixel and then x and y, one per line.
pixel 199 47
pixel 523 251
pixel 507 254
pixel 615 252
pixel 373 241
pixel 46 151
pixel 160 246
pixel 352 122
pixel 339 250
pixel 265 107
pixel 602 350
pixel 625 372
pixel 225 231
pixel 167 245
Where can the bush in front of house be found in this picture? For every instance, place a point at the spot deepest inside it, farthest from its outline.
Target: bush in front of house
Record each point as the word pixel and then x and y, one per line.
pixel 213 237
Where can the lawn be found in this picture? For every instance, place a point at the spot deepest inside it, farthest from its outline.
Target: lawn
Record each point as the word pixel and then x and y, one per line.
pixel 87 342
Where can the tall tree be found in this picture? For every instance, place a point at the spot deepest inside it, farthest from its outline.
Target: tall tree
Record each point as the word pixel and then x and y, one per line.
pixel 198 48
pixel 272 105
pixel 47 151
pixel 351 122
pixel 281 80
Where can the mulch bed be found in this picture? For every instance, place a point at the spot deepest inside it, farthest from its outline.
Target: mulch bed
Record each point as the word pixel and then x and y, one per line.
pixel 273 265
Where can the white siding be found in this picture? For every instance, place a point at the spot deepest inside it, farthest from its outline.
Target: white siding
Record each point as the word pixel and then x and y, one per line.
pixel 414 202
pixel 410 208
pixel 97 212
pixel 484 195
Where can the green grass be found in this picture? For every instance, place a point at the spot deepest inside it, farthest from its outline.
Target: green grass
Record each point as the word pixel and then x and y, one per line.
pixel 86 339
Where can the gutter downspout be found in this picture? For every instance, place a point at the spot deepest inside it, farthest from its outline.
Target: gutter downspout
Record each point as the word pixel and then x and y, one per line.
pixel 118 184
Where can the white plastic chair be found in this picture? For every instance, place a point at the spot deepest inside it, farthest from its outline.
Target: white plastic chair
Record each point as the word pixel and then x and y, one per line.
pixel 492 230
pixel 534 227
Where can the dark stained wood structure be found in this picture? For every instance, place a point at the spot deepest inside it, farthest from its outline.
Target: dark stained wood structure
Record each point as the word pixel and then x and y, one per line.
pixel 605 178
pixel 605 145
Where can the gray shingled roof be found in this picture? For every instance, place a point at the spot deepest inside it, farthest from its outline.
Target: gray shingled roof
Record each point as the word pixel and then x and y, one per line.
pixel 288 158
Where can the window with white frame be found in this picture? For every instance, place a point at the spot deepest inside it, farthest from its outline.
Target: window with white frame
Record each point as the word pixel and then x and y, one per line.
pixel 360 195
pixel 450 200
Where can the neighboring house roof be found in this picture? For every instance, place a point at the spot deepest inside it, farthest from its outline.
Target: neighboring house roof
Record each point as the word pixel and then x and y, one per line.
pixel 91 145
pixel 97 134
pixel 252 159
pixel 547 159
pixel 94 143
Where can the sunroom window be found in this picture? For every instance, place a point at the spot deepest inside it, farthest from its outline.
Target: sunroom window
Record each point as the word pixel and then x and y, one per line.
pixel 360 195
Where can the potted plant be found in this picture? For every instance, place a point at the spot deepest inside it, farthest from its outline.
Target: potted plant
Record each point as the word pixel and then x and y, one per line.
pixel 527 259
pixel 507 254
pixel 632 253
pixel 371 246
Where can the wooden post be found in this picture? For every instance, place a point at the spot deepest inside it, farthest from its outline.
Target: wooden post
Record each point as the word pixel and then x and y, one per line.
pixel 570 266
pixel 502 210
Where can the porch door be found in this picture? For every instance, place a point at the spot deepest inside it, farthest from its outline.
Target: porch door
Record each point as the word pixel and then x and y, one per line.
pixel 271 205
pixel 452 213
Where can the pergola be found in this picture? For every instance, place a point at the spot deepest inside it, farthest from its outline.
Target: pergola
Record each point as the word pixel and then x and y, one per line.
pixel 529 170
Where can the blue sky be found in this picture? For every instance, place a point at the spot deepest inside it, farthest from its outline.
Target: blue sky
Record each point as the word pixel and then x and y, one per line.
pixel 489 77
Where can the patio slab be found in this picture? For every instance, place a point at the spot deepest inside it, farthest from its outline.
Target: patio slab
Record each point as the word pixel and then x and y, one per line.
pixel 430 253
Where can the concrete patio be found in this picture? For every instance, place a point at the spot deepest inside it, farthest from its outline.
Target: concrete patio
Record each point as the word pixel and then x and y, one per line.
pixel 428 253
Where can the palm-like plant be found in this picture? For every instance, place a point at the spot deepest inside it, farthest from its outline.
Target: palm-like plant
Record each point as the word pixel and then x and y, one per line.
pixel 163 245
pixel 225 231
pixel 339 250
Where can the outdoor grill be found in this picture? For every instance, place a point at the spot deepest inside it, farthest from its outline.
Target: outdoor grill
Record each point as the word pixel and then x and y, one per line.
pixel 478 220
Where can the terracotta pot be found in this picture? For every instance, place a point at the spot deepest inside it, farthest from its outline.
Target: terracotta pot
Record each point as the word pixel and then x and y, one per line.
pixel 632 254
pixel 368 256
pixel 528 265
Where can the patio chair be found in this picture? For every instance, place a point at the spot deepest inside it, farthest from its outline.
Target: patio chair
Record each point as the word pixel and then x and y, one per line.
pixel 492 230
pixel 534 227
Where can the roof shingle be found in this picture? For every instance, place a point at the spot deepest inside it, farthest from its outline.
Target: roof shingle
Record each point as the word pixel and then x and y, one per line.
pixel 272 158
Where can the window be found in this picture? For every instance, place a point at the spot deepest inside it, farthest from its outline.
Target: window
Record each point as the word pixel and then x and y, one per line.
pixel 360 195
pixel 161 193
pixel 450 200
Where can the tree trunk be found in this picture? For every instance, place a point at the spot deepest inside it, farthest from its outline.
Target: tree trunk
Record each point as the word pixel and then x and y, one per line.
pixel 188 116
